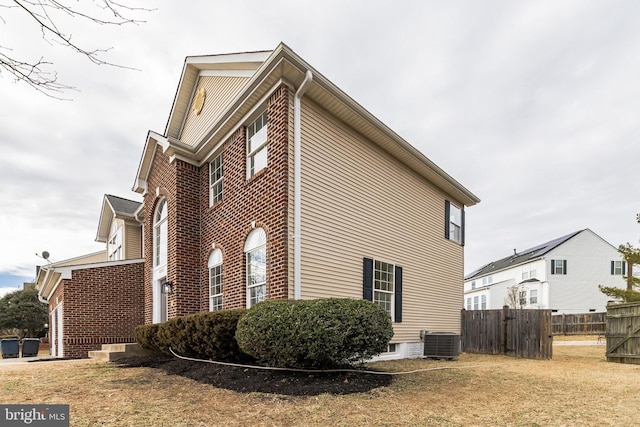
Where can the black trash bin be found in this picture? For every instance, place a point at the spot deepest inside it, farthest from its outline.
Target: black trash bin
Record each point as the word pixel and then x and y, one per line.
pixel 30 347
pixel 10 347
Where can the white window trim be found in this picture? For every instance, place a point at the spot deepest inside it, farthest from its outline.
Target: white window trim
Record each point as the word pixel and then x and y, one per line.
pixel 256 241
pixel 618 268
pixel 455 228
pixel 213 184
pixel 157 226
pixel 215 262
pixel 114 246
pixel 251 153
pixel 376 282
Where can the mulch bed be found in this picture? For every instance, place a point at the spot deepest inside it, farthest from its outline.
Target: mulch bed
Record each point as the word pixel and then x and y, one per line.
pixel 247 380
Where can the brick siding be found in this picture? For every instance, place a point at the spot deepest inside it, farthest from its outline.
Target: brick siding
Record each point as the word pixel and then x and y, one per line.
pixel 101 305
pixel 194 226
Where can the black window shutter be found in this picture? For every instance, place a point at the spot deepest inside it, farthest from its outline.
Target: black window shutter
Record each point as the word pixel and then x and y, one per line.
pixel 462 231
pixel 553 266
pixel 447 218
pixel 397 315
pixel 564 266
pixel 613 268
pixel 367 279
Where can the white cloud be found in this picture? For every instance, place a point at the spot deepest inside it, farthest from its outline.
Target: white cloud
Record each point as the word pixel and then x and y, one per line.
pixel 531 105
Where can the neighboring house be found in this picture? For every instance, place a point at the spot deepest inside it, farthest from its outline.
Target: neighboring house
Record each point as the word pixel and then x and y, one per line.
pixel 562 275
pixel 271 182
pixel 97 298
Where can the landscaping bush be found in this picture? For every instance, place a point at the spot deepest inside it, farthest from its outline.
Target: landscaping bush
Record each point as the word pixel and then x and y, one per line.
pixel 209 335
pixel 147 336
pixel 314 333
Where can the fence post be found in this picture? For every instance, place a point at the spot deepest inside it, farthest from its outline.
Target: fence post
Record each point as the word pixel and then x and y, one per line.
pixel 564 324
pixel 505 333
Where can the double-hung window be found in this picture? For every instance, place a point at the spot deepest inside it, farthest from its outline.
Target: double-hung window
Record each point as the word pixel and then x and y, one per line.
pixel 522 298
pixel 618 268
pixel 382 284
pixel 215 180
pixel 558 266
pixel 533 296
pixel 383 280
pixel 215 280
pixel 454 222
pixel 257 145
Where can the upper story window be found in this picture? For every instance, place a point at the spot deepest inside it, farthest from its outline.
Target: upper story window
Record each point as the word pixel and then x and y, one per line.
pixel 618 268
pixel 257 145
pixel 114 246
pixel 528 272
pixel 255 248
pixel 473 284
pixel 487 280
pixel 454 222
pixel 558 266
pixel 160 231
pixel 215 280
pixel 215 180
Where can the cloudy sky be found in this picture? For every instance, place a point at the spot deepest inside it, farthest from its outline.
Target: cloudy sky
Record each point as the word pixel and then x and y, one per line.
pixel 533 105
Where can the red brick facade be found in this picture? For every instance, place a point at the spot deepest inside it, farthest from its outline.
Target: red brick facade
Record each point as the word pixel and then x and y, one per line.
pixel 194 226
pixel 101 305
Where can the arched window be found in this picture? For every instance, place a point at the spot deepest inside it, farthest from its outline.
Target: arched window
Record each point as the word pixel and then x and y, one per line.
pixel 160 234
pixel 215 280
pixel 255 248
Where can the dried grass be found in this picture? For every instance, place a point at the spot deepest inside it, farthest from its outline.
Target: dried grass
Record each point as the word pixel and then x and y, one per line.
pixel 577 388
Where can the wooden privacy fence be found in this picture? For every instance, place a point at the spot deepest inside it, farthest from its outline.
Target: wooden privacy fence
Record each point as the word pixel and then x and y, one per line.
pixel 514 332
pixel 623 333
pixel 579 324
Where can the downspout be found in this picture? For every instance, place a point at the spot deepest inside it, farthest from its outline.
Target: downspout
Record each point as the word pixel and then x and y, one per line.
pixel 297 184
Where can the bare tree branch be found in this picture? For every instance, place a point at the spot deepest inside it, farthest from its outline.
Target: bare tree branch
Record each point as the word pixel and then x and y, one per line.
pixel 47 14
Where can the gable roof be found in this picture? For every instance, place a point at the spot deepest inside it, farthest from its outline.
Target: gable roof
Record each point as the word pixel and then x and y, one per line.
pixel 523 257
pixel 114 207
pixel 270 69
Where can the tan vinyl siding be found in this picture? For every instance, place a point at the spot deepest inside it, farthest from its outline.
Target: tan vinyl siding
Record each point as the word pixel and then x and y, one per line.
pixel 357 201
pixel 220 91
pixel 132 241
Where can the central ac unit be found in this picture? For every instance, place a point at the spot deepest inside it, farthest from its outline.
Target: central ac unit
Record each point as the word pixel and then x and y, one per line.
pixel 441 345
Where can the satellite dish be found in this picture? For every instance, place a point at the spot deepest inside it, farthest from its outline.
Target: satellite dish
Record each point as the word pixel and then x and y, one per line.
pixel 45 255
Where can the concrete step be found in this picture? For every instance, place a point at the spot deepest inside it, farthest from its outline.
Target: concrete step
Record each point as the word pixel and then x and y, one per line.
pixel 111 352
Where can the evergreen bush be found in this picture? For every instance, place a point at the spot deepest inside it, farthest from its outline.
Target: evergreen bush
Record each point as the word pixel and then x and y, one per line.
pixel 209 335
pixel 314 333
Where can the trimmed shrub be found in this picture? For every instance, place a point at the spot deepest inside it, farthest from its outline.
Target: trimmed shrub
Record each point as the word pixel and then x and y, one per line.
pixel 314 333
pixel 147 336
pixel 209 335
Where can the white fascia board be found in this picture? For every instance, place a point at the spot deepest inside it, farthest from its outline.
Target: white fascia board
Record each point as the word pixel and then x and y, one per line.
pixel 106 216
pixel 210 61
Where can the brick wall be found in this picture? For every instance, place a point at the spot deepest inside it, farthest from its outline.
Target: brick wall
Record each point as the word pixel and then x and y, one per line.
pixel 102 305
pixel 263 199
pixel 160 183
pixel 194 226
